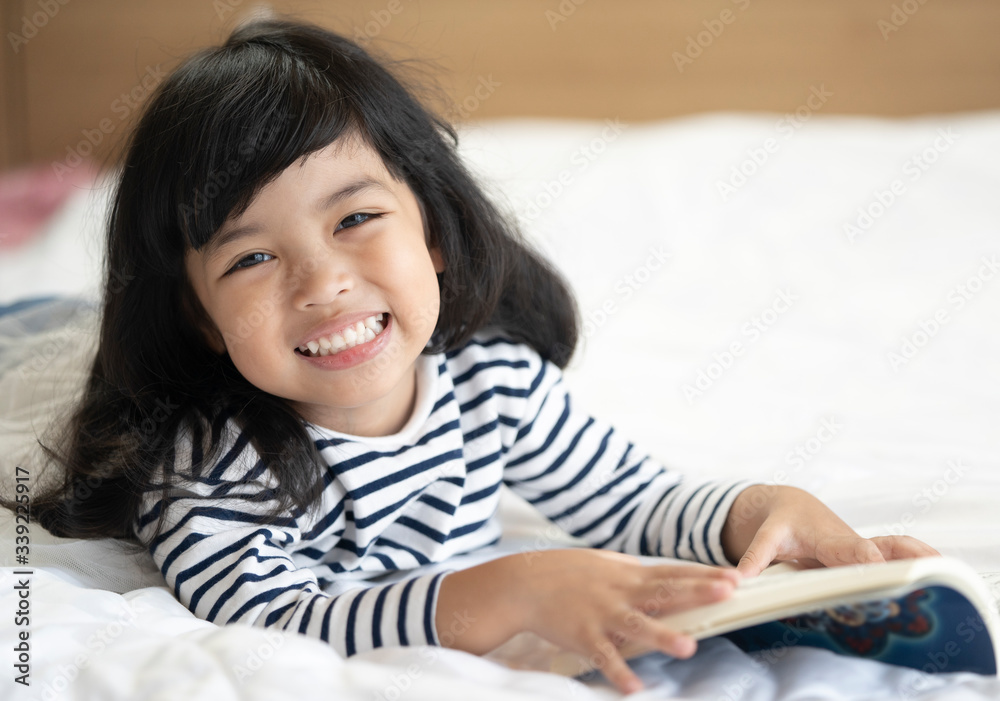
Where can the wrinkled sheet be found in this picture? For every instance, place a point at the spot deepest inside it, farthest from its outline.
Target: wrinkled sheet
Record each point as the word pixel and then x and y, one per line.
pixel 809 303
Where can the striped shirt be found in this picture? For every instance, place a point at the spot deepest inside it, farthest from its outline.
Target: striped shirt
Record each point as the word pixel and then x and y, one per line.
pixel 490 413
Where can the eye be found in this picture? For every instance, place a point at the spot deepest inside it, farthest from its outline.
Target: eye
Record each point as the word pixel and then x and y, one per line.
pixel 250 261
pixel 356 219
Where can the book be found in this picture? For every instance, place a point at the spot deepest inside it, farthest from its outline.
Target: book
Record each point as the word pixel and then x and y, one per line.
pixel 934 614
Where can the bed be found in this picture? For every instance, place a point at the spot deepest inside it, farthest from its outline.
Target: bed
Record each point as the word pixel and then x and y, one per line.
pixel 807 301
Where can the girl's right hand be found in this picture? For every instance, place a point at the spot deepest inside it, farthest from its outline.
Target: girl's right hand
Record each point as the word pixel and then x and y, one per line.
pixel 587 601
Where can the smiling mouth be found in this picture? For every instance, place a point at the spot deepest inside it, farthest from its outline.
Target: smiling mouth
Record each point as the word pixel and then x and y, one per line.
pixel 360 332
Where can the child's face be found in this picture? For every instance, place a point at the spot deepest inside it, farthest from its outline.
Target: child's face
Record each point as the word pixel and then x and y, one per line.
pixel 333 241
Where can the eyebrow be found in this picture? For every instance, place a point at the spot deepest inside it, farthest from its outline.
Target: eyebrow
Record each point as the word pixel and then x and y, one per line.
pixel 349 190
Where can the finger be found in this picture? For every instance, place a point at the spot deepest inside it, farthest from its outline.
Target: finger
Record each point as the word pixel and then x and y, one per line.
pixel 902 547
pixel 680 593
pixel 647 633
pixel 693 570
pixel 761 552
pixel 606 657
pixel 847 550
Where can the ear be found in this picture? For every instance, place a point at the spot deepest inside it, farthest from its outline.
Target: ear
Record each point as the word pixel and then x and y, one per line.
pixel 437 259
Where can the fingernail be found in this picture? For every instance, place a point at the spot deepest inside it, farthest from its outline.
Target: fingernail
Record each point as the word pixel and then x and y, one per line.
pixel 722 586
pixel 633 686
pixel 684 647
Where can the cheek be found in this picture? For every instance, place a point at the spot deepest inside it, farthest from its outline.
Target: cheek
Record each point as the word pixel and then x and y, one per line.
pixel 422 294
pixel 257 366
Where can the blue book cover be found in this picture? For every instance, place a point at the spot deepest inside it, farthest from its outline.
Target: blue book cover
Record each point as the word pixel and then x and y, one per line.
pixel 932 628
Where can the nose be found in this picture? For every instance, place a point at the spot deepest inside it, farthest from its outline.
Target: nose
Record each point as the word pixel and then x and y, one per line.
pixel 319 280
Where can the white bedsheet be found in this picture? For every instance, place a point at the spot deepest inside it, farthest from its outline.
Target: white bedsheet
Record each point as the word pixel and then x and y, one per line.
pixel 671 270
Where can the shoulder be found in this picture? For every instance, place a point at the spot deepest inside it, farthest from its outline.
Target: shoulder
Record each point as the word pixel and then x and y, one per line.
pixel 212 451
pixel 491 357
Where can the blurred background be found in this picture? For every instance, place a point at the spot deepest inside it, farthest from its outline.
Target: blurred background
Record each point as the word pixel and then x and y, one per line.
pixel 74 72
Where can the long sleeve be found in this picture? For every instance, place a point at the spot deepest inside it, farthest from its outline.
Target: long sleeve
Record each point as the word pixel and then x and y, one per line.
pixel 584 476
pixel 228 563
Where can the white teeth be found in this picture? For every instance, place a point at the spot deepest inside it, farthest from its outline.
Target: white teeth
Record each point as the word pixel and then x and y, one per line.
pixel 360 332
pixel 375 323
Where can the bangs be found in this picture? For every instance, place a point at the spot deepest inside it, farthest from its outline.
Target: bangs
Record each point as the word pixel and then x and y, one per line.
pixel 232 118
pixel 259 111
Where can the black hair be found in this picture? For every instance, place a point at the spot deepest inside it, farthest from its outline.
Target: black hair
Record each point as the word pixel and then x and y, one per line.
pixel 226 122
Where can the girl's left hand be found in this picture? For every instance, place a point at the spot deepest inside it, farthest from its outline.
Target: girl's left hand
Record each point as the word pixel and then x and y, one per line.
pixel 770 523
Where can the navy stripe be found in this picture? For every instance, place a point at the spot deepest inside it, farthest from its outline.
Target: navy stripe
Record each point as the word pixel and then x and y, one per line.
pixel 377 617
pixel 488 427
pixel 549 439
pixel 679 530
pixel 483 462
pixel 485 365
pixel 439 504
pixel 446 399
pixel 701 506
pixel 352 619
pixel 278 613
pixel 429 609
pixel 242 441
pixel 326 522
pixel 569 511
pixel 324 629
pixel 708 524
pixel 417 555
pixel 422 528
pixel 250 577
pixel 307 616
pixel 644 548
pixel 559 461
pixel 480 398
pixel 483 493
pixel 404 600
pixel 228 515
pixel 263 597
pixel 611 513
pixel 200 567
pixel 188 542
pixel 222 574
pixel 397 477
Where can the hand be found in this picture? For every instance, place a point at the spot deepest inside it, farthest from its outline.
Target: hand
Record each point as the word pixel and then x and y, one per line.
pixel 769 523
pixel 587 601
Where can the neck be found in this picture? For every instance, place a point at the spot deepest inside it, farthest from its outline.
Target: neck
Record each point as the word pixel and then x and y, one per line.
pixel 383 417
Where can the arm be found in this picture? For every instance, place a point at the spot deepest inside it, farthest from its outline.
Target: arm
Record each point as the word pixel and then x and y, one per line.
pixel 228 563
pixel 583 475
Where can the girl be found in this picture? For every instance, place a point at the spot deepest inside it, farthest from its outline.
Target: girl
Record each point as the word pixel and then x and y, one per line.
pixel 322 351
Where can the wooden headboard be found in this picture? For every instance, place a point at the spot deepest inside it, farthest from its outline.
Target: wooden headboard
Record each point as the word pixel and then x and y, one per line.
pixel 75 71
